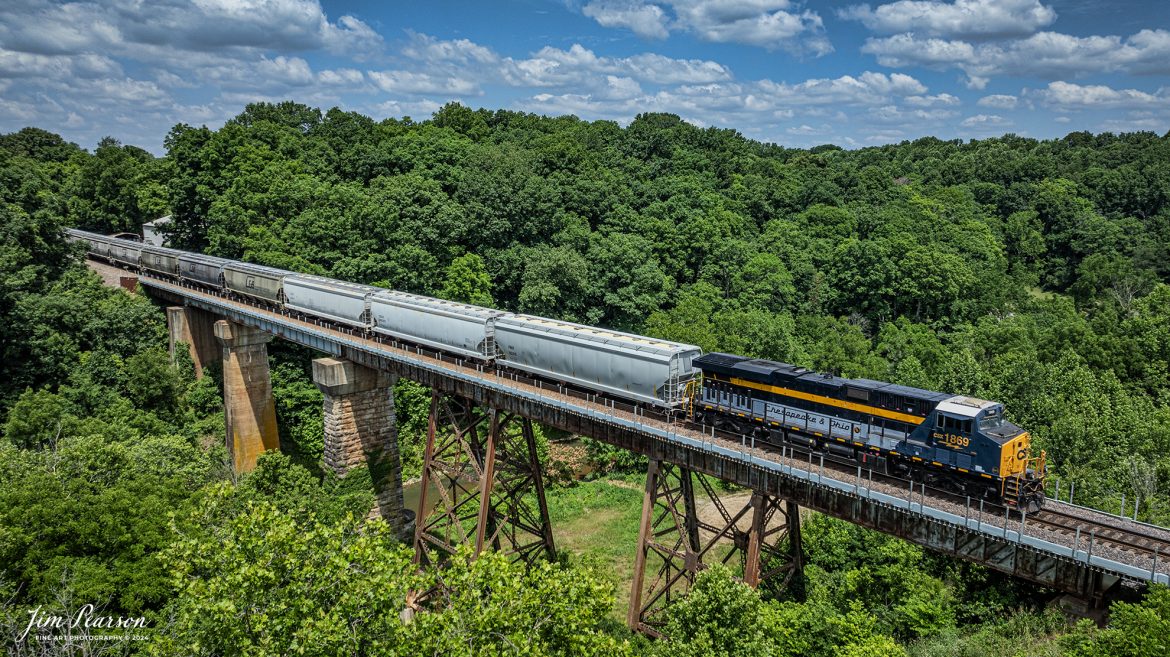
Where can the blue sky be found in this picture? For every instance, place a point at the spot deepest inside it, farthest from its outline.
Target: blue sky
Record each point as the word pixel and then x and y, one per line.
pixel 784 71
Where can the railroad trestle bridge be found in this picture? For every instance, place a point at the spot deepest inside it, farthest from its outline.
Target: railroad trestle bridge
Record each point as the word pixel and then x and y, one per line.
pixel 480 452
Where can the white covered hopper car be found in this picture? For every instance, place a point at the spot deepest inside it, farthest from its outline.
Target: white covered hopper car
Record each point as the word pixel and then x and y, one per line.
pixel 623 365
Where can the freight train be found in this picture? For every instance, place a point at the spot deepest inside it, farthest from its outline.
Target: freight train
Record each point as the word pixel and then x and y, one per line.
pixel 959 443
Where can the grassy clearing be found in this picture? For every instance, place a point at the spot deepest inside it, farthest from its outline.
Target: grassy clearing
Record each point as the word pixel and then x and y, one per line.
pixel 597 522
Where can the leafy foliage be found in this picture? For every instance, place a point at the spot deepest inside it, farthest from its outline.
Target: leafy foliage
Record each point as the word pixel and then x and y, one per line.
pixel 1036 273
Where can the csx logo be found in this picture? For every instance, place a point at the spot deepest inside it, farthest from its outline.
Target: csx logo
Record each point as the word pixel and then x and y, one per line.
pixel 952 440
pixel 250 282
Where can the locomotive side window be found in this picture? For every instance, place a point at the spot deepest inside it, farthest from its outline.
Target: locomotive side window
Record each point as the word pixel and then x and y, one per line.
pixel 954 425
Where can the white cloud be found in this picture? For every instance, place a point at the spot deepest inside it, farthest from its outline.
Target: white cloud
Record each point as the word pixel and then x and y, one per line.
pixel 1045 54
pixel 70 59
pixel 140 93
pixel 401 108
pixel 779 108
pixel 553 66
pixel 409 82
pixel 930 101
pixel 985 122
pixel 660 69
pixel 1066 95
pixel 556 67
pixel 621 88
pixel 765 23
pixel 198 25
pixel 999 101
pixel 340 77
pixel 645 20
pixel 1062 119
pixel 805 129
pixel 56 67
pixel 350 35
pixel 907 50
pixel 289 70
pixel 886 136
pixel 427 48
pixel 769 24
pixel 1157 125
pixel 896 115
pixel 867 88
pixel 961 18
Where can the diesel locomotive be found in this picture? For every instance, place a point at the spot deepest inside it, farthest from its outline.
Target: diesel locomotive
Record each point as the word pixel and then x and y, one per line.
pixel 959 443
pixel 951 441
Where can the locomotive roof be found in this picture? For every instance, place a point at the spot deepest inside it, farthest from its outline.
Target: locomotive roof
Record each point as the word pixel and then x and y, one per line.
pixel 783 374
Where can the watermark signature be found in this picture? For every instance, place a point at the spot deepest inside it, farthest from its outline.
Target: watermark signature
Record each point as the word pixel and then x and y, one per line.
pixel 60 626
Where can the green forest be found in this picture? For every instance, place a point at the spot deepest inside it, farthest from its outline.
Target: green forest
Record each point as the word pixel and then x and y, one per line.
pixel 1031 272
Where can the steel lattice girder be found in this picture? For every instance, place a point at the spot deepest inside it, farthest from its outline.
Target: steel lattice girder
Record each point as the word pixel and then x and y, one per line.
pixel 675 538
pixel 484 467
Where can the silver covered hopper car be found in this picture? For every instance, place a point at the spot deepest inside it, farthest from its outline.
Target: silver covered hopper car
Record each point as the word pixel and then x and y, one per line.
pixel 200 268
pixel 160 259
pixel 435 323
pixel 124 252
pixel 339 301
pixel 623 364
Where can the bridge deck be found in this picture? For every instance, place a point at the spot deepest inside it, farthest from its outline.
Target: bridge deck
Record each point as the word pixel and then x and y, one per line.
pixel 1032 551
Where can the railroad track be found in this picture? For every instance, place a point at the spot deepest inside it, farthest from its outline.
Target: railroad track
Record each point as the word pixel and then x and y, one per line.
pixel 1080 528
pixel 1091 531
pixel 1085 529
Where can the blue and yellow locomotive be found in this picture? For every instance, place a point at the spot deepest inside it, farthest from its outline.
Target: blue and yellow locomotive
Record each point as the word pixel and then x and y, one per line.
pixel 960 443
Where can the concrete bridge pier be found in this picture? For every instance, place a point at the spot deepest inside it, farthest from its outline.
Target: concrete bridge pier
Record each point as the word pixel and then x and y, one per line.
pixel 675 541
pixel 195 328
pixel 249 410
pixel 361 429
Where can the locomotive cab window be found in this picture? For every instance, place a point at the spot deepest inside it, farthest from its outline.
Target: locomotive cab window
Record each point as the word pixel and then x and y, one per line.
pixel 953 424
pixel 993 419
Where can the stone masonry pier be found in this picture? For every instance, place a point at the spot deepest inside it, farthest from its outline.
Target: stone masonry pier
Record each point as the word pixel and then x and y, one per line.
pixel 361 430
pixel 196 329
pixel 249 409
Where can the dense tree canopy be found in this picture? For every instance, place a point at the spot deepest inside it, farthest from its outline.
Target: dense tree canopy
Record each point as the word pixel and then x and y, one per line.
pixel 1036 273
